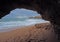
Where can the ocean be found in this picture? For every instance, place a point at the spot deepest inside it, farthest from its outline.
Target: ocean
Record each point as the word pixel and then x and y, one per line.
pixel 17 22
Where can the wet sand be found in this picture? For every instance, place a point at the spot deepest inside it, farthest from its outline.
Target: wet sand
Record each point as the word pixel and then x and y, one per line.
pixel 34 33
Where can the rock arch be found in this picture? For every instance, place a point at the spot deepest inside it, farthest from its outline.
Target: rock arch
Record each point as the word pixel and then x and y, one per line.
pixel 49 9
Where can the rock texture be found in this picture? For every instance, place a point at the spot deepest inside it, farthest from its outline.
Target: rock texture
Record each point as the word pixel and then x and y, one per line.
pixel 36 33
pixel 49 9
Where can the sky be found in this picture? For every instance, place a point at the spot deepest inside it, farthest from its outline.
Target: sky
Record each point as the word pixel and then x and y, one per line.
pixel 21 13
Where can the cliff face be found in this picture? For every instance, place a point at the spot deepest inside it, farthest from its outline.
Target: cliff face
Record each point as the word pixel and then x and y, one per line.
pixel 49 9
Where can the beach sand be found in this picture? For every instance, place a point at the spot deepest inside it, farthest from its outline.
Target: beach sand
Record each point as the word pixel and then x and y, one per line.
pixel 34 33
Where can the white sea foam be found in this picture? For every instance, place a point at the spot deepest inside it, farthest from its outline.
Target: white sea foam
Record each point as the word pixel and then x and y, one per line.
pixel 27 22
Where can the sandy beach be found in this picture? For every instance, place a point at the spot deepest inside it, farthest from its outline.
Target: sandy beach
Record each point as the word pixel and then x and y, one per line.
pixel 34 33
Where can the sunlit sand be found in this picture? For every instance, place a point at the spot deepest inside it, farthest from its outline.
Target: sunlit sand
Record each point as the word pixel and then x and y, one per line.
pixel 34 33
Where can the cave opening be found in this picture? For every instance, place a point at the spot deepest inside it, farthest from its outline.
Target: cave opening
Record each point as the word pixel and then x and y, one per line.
pixel 21 17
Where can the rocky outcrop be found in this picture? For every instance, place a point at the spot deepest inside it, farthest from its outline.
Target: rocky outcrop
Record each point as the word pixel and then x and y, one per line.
pixel 42 32
pixel 49 9
pixel 35 17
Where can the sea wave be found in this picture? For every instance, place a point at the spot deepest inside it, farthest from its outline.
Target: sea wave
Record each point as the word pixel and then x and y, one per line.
pixel 20 23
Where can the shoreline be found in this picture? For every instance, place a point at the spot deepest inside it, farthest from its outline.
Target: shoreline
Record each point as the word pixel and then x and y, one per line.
pixel 17 27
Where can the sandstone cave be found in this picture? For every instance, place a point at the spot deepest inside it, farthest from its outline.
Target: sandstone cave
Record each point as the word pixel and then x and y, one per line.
pixel 49 9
